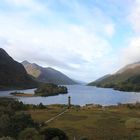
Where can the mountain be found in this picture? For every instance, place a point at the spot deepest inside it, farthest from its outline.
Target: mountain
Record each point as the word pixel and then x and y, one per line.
pixel 102 78
pixel 125 79
pixel 47 75
pixel 80 82
pixel 13 74
pixel 130 66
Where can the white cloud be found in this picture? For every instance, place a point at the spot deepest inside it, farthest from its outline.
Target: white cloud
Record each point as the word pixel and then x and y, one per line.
pixel 134 16
pixel 110 30
pixel 73 48
pixel 131 52
pixel 62 44
pixel 93 18
pixel 29 4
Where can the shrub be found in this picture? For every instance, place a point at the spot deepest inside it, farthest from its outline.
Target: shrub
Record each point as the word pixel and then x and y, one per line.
pixel 20 121
pixel 29 134
pixel 83 138
pixel 133 123
pixel 6 138
pixel 51 133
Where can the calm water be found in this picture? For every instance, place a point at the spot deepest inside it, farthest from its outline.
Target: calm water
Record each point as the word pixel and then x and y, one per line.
pixel 82 95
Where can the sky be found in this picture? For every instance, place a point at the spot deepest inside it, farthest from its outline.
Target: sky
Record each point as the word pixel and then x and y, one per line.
pixel 85 39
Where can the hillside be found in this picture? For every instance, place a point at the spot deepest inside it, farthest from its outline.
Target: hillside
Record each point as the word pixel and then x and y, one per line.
pixel 102 78
pixel 129 66
pixel 47 75
pixel 125 79
pixel 13 74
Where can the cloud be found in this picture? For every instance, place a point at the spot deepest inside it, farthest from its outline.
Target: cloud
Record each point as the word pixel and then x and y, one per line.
pixel 134 16
pixel 75 42
pixel 91 16
pixel 33 5
pixel 131 52
pixel 110 30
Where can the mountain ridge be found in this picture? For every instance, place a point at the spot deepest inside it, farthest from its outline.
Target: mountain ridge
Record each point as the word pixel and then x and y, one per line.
pixel 129 66
pixel 125 79
pixel 47 74
pixel 13 74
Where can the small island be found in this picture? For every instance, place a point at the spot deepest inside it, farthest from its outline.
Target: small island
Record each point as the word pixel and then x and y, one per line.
pixel 44 90
pixel 50 90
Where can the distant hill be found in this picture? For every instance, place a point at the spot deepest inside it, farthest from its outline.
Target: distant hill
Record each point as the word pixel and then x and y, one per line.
pixel 125 79
pixel 102 78
pixel 47 75
pixel 81 82
pixel 13 74
pixel 132 66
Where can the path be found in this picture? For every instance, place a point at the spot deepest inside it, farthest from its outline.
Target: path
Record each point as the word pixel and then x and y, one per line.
pixel 56 116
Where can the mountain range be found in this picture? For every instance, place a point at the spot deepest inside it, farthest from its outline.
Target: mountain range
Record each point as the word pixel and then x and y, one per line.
pixel 125 79
pixel 29 75
pixel 47 75
pixel 13 74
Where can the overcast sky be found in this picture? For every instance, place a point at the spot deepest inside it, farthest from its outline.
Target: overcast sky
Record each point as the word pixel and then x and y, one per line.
pixel 85 39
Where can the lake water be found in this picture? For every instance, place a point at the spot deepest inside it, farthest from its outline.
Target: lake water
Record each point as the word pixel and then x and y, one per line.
pixel 81 95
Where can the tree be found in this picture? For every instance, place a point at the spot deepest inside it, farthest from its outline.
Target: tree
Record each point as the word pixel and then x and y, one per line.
pixel 21 121
pixel 29 134
pixel 41 106
pixel 4 125
pixel 51 133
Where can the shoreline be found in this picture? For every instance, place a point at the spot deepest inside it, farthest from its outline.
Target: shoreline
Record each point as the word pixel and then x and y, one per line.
pixel 115 89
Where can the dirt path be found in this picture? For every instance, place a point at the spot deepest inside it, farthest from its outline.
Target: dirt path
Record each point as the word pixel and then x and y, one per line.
pixel 53 118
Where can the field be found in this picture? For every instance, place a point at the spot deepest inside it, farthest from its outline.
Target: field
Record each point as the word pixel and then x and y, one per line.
pixel 94 123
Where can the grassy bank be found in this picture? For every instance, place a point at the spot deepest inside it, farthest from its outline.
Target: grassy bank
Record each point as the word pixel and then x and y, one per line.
pixel 94 122
pixel 110 123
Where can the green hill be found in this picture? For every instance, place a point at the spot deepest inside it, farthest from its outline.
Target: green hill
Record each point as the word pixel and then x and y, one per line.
pixel 126 79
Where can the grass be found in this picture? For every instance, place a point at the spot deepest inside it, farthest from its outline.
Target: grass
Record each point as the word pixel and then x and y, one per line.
pixel 24 95
pixel 110 123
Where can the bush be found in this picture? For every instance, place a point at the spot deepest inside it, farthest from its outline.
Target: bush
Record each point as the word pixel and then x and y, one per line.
pixel 5 122
pixel 83 138
pixel 6 138
pixel 41 106
pixel 51 133
pixel 133 123
pixel 21 121
pixel 29 134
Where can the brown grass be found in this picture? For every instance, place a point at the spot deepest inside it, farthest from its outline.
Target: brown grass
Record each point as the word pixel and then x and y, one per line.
pixel 94 123
pixel 24 95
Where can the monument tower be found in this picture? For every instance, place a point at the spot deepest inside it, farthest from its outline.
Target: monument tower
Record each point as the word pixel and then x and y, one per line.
pixel 69 102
